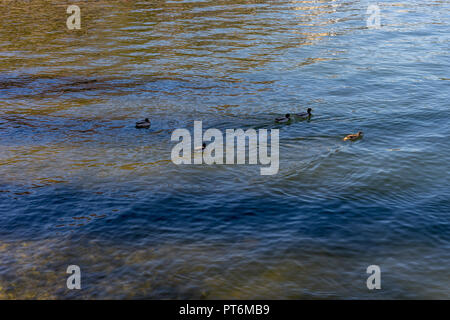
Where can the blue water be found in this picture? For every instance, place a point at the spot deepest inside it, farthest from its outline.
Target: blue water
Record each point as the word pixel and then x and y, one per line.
pixel 80 185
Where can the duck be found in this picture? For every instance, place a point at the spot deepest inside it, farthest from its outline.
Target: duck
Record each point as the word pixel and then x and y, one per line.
pixel 144 124
pixel 304 115
pixel 353 137
pixel 197 149
pixel 284 119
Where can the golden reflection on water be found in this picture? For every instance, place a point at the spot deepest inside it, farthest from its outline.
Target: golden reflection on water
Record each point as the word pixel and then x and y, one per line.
pixel 44 165
pixel 36 36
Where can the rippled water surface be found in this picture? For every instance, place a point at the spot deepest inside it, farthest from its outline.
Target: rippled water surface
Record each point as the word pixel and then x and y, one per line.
pixel 80 185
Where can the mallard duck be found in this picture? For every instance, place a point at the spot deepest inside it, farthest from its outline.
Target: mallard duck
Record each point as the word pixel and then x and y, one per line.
pixel 304 115
pixel 353 137
pixel 284 119
pixel 144 124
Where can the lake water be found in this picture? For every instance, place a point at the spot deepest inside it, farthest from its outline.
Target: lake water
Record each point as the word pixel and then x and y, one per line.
pixel 80 185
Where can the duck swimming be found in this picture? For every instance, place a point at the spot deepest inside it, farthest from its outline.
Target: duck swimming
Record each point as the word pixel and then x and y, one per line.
pixel 353 137
pixel 284 119
pixel 304 115
pixel 144 124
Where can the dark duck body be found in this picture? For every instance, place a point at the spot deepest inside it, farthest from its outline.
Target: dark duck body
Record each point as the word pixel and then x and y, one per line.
pixel 304 115
pixel 144 124
pixel 284 119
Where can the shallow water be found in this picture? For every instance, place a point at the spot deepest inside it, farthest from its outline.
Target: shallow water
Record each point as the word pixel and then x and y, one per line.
pixel 80 185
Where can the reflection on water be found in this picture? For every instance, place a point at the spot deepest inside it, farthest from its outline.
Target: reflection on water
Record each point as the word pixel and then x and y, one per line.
pixel 214 271
pixel 80 185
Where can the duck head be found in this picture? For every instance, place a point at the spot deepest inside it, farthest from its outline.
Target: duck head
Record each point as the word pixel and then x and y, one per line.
pixel 309 111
